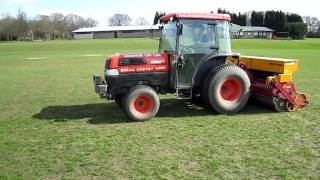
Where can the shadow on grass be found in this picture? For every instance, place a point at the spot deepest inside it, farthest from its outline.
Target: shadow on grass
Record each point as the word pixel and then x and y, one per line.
pixel 111 113
pixel 97 113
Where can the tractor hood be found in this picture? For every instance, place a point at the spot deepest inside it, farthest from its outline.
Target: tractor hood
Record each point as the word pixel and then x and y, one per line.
pixel 139 55
pixel 140 62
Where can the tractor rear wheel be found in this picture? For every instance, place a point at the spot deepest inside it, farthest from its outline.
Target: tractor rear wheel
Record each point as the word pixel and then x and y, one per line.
pixel 227 89
pixel 141 103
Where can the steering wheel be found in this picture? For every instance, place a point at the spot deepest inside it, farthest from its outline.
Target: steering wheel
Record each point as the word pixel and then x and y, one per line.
pixel 186 50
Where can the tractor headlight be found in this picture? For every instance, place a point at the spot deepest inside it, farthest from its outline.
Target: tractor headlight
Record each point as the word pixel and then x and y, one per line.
pixel 111 72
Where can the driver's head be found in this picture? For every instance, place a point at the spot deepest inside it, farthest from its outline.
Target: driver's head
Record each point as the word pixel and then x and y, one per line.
pixel 197 31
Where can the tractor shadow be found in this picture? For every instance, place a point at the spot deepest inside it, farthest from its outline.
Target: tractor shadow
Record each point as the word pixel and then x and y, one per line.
pixel 110 113
pixel 176 108
pixel 95 113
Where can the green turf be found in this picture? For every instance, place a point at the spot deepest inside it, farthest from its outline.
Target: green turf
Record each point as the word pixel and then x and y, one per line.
pixel 52 124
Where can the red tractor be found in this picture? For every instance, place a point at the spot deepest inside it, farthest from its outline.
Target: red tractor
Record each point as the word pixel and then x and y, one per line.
pixel 195 62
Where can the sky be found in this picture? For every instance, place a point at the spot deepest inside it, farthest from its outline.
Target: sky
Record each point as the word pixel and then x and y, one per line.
pixel 101 10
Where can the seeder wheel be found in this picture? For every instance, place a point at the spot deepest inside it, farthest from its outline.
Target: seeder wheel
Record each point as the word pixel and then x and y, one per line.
pixel 301 100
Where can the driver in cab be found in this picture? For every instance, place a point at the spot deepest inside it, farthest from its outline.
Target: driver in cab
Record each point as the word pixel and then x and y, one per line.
pixel 199 36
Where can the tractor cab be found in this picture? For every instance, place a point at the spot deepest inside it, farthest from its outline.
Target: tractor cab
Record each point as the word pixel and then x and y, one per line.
pixel 189 39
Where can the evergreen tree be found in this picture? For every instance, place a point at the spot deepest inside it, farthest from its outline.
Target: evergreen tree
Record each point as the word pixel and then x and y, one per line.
pixel 275 20
pixel 281 21
pixel 234 18
pixel 257 18
pixel 297 30
pixel 293 18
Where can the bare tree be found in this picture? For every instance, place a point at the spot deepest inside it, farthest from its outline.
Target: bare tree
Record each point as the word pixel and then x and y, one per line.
pixel 73 22
pixel 312 23
pixel 57 25
pixel 89 22
pixel 22 24
pixel 141 21
pixel 40 27
pixel 8 30
pixel 120 20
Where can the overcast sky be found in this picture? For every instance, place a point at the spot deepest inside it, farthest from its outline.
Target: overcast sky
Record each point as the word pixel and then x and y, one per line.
pixel 101 10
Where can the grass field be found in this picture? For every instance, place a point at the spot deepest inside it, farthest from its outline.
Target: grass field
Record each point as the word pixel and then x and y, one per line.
pixel 52 124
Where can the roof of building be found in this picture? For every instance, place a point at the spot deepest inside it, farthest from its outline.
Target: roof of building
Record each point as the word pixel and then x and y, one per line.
pixel 237 28
pixel 115 28
pixel 206 16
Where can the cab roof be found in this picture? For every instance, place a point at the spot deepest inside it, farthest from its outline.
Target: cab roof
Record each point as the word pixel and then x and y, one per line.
pixel 203 16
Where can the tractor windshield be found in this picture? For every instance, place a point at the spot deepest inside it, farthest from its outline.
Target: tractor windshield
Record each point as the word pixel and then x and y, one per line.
pixel 197 37
pixel 168 40
pixel 202 36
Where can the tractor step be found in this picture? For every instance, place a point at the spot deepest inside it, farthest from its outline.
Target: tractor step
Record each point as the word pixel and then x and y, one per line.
pixel 184 93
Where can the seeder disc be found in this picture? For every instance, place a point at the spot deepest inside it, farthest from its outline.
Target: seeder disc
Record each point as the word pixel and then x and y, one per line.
pixel 301 100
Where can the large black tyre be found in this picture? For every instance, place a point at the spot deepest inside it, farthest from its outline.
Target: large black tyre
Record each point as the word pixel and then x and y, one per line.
pixel 226 89
pixel 204 87
pixel 141 103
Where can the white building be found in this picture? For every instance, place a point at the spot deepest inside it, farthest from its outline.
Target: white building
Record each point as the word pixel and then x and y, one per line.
pixel 251 32
pixel 117 32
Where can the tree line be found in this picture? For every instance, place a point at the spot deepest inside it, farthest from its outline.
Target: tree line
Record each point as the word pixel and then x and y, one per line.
pixel 44 27
pixel 283 23
pixel 126 20
pixel 236 18
pixel 59 26
pixel 54 26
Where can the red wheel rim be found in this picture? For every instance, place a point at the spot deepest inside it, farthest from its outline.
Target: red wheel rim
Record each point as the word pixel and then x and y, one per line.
pixel 231 90
pixel 143 104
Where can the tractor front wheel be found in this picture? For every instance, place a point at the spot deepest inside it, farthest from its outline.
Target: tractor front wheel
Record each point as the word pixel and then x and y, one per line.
pixel 227 89
pixel 141 103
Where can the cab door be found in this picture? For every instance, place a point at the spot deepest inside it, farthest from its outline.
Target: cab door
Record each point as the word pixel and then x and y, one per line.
pixel 186 66
pixel 197 39
pixel 190 50
pixel 168 45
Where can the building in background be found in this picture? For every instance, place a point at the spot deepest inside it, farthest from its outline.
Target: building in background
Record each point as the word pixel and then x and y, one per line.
pixel 241 32
pixel 117 32
pixel 251 32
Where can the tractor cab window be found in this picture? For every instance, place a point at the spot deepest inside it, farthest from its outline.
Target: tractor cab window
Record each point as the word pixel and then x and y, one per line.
pixel 202 36
pixel 197 37
pixel 223 33
pixel 168 38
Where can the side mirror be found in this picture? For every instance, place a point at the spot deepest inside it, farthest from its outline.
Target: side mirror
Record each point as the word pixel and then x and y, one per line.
pixel 180 29
pixel 157 17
